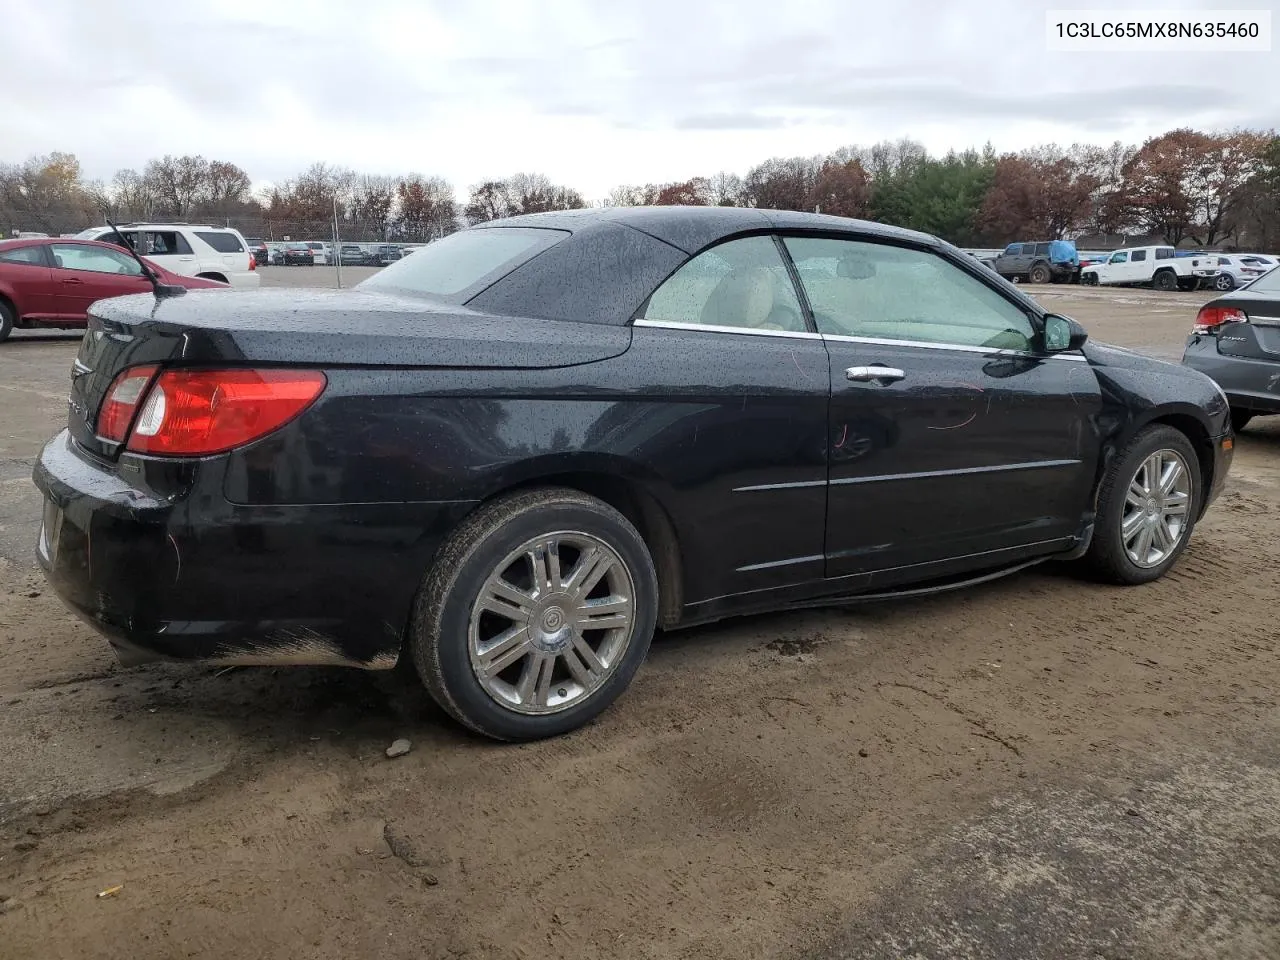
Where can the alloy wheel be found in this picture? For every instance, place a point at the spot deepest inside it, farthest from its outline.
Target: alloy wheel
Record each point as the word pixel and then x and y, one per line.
pixel 1156 505
pixel 552 622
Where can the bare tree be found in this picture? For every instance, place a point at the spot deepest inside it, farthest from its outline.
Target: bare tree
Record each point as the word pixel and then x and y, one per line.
pixel 725 190
pixel 373 204
pixel 427 209
pixel 46 194
pixel 177 183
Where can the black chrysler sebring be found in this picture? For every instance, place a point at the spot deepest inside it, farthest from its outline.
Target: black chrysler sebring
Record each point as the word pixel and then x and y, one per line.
pixel 514 455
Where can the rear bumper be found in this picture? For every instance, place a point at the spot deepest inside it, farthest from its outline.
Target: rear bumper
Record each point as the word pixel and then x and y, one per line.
pixel 249 280
pixel 195 577
pixel 1249 384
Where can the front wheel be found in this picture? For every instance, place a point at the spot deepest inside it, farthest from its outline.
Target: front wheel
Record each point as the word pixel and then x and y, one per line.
pixel 1147 506
pixel 1224 282
pixel 536 614
pixel 6 321
pixel 1089 279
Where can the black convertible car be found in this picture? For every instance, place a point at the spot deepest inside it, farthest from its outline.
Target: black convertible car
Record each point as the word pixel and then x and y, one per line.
pixel 513 455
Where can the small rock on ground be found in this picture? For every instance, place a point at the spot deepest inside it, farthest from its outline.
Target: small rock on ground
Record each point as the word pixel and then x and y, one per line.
pixel 399 748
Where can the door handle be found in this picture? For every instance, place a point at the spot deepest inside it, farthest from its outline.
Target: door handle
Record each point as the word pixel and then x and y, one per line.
pixel 73 280
pixel 875 373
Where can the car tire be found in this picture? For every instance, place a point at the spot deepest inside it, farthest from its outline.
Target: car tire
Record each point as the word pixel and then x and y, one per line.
pixel 1165 281
pixel 1224 282
pixel 487 565
pixel 1040 274
pixel 7 320
pixel 1089 279
pixel 1141 553
pixel 1240 418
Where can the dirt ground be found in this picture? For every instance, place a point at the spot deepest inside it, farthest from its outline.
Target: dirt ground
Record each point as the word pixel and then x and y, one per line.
pixel 1037 768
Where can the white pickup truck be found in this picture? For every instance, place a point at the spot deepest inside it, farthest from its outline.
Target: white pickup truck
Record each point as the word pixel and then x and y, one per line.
pixel 1158 266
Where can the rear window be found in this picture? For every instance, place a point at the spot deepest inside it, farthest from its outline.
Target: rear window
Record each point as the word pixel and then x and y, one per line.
pixel 1267 283
pixel 29 255
pixel 222 242
pixel 462 264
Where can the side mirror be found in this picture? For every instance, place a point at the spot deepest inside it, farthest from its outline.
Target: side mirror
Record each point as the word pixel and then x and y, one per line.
pixel 1061 334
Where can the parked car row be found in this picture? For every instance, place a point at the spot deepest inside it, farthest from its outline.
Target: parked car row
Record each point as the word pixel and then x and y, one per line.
pixel 1161 267
pixel 349 254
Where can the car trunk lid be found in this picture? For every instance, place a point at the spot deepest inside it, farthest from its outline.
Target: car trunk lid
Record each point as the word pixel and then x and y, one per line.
pixel 313 328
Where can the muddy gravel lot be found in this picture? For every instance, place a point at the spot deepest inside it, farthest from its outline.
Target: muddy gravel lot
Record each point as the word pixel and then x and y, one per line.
pixel 1037 768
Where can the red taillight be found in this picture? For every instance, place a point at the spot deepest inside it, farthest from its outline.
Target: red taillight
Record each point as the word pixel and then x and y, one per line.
pixel 116 412
pixel 192 413
pixel 253 260
pixel 1209 319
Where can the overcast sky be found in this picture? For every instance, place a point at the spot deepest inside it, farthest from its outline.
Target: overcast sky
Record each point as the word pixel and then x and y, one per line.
pixel 593 93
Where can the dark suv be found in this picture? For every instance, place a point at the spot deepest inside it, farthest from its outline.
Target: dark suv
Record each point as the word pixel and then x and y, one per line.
pixel 1044 261
pixel 383 254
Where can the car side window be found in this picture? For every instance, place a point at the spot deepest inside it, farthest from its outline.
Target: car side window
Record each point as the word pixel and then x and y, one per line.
pixel 881 291
pixel 742 283
pixel 31 256
pixel 1164 253
pixel 222 242
pixel 1042 249
pixel 168 242
pixel 1119 258
pixel 1012 250
pixel 74 256
pixel 1139 255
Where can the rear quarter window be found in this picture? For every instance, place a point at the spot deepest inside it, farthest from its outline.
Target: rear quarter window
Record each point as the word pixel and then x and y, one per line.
pixel 222 242
pixel 31 256
pixel 1164 253
pixel 1267 283
pixel 458 266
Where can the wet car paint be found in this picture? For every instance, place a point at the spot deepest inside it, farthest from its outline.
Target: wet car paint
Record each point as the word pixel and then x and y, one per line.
pixel 309 544
pixel 1243 358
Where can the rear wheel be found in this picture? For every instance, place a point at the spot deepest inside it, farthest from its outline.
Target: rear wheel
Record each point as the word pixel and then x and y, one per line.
pixel 1240 418
pixel 1147 507
pixel 212 276
pixel 1165 280
pixel 536 615
pixel 1040 273
pixel 7 319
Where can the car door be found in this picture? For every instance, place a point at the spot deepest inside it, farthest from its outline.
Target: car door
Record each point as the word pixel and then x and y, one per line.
pixel 25 273
pixel 1116 269
pixel 954 445
pixel 230 250
pixel 740 385
pixel 1140 267
pixel 84 273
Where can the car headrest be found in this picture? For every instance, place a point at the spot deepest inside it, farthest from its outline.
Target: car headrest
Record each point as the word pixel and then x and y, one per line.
pixel 855 268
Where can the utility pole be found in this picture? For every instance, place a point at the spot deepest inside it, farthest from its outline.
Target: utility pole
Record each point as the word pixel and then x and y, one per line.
pixel 337 247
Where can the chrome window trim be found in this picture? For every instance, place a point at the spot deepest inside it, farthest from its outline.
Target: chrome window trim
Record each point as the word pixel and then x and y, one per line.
pixel 964 348
pixel 716 328
pixel 958 472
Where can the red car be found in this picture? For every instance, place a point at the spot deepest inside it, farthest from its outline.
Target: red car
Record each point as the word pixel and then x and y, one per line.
pixel 50 281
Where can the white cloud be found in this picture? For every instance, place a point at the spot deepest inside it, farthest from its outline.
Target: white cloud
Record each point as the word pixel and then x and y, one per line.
pixel 592 94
